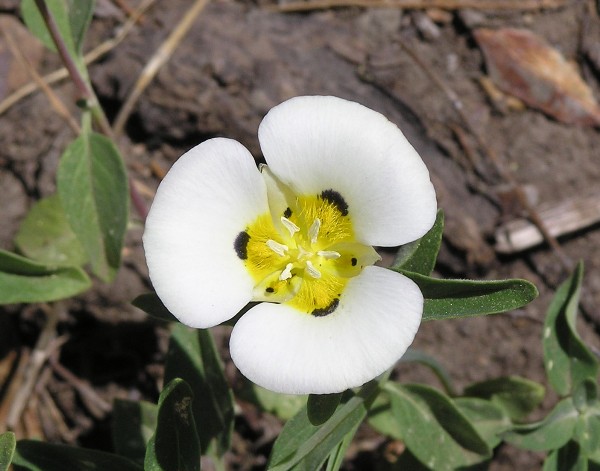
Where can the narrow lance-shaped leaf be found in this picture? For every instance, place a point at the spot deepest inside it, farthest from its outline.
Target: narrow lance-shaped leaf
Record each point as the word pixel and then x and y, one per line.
pixel 428 417
pixel 336 457
pixel 193 356
pixel 414 355
pixel 151 304
pixel 175 444
pixel 304 446
pixel 554 431
pixel 489 419
pixel 420 256
pixel 133 424
pixel 322 406
pixel 92 184
pixel 25 281
pixel 449 299
pixel 46 236
pixel 517 396
pixel 34 455
pixel 71 16
pixel 36 24
pixel 80 16
pixel 567 359
pixel 566 458
pixel 8 444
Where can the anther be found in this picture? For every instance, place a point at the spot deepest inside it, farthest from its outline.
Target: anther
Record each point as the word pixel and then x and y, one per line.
pixel 329 254
pixel 279 249
pixel 313 232
pixel 289 225
pixel 312 271
pixel 287 273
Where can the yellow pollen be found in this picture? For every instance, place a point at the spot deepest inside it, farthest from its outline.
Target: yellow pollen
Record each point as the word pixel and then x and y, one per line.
pixel 306 256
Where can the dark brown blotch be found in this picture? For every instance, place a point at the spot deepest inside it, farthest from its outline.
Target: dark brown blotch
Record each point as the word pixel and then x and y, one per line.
pixel 240 245
pixel 337 200
pixel 325 311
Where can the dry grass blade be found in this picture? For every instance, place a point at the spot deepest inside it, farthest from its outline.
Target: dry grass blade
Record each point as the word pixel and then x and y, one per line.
pixel 160 57
pixel 522 5
pixel 40 354
pixel 55 102
pixel 89 58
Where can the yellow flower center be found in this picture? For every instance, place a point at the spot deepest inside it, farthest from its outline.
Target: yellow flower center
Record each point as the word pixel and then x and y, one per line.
pixel 304 256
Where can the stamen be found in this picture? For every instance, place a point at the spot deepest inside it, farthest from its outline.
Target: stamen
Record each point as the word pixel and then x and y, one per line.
pixel 289 225
pixel 313 232
pixel 279 249
pixel 287 273
pixel 329 254
pixel 312 271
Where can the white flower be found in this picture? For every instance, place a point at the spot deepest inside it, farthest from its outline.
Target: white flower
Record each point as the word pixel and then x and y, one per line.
pixel 297 235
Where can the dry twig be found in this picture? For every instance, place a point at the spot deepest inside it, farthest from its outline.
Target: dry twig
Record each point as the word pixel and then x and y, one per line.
pixel 42 350
pixel 89 58
pixel 160 57
pixel 54 100
pixel 520 5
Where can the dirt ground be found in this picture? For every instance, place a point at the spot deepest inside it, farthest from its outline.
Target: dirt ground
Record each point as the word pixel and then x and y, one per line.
pixel 240 59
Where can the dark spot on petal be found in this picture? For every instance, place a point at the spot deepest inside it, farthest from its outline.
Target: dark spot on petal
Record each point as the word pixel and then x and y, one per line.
pixel 270 290
pixel 326 310
pixel 287 213
pixel 336 199
pixel 241 245
pixel 353 261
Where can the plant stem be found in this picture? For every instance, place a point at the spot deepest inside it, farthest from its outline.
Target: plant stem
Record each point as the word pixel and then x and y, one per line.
pixel 86 95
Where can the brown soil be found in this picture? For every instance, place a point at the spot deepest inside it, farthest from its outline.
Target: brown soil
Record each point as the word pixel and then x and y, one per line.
pixel 237 62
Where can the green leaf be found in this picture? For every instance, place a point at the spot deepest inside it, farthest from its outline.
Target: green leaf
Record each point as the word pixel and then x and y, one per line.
pixel 33 455
pixel 320 407
pixel 35 23
pixel 80 16
pixel 554 431
pixel 92 184
pixel 517 396
pixel 567 359
pixel 175 445
pixel 336 457
pixel 489 419
pixel 382 419
pixel 25 281
pixel 420 256
pixel 193 356
pixel 428 417
pixel 304 446
pixel 284 406
pixel 8 444
pixel 449 299
pixel 151 304
pixel 413 355
pixel 587 430
pixel 133 423
pixel 566 458
pixel 45 236
pixel 72 18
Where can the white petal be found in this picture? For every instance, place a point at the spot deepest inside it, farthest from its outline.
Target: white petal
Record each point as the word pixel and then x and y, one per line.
pixel 286 351
pixel 318 143
pixel 208 197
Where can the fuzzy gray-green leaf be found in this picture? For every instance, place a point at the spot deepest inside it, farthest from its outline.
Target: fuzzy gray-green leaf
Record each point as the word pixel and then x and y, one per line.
pixel 449 299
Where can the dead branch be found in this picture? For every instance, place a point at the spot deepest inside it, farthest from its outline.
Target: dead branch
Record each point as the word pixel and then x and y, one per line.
pixel 563 218
pixel 522 5
pixel 89 58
